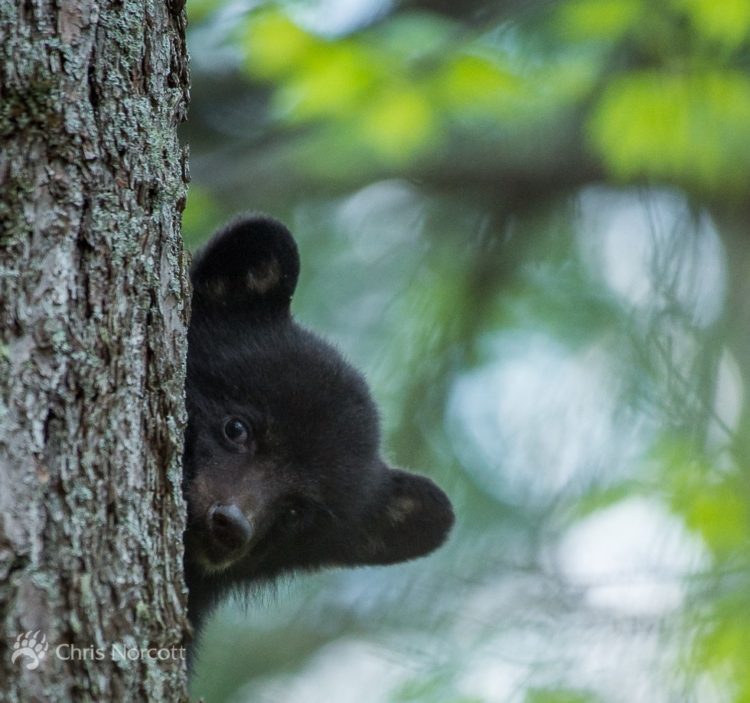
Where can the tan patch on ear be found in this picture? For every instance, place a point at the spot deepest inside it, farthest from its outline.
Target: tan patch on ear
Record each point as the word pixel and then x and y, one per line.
pixel 400 509
pixel 264 279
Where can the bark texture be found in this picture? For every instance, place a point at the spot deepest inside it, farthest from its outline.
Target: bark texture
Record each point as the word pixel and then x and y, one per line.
pixel 92 346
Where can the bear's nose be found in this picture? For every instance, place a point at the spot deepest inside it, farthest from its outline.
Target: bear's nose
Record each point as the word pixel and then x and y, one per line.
pixel 229 526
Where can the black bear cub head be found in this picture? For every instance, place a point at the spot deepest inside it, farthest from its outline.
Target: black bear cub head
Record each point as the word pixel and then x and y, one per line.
pixel 282 469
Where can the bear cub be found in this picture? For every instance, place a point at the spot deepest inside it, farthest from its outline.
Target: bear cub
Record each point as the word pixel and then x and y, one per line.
pixel 282 469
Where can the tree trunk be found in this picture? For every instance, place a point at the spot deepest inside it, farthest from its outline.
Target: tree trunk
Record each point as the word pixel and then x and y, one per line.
pixel 92 346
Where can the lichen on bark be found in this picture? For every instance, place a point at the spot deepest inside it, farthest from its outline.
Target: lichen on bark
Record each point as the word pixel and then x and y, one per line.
pixel 92 344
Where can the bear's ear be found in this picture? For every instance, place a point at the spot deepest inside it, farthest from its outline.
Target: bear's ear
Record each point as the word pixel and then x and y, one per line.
pixel 251 263
pixel 412 518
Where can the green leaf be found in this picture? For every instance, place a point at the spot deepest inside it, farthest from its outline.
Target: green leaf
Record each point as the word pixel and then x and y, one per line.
pixel 333 82
pixel 274 46
pixel 711 502
pixel 727 21
pixel 598 19
pixel 198 10
pixel 561 695
pixel 400 123
pixel 201 216
pixel 475 84
pixel 690 128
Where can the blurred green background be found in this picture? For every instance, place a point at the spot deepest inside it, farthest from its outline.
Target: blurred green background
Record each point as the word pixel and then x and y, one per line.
pixel 527 222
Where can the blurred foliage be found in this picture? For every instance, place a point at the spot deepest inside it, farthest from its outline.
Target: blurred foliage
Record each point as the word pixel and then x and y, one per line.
pixel 662 86
pixel 527 222
pixel 201 214
pixel 689 127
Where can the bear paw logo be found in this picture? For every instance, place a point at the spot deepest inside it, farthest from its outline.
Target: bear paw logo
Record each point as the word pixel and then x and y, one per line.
pixel 30 645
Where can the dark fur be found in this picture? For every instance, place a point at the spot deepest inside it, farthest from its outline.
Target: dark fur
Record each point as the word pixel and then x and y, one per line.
pixel 308 488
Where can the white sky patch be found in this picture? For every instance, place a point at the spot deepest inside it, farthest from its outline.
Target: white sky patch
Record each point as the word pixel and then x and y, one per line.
pixel 381 219
pixel 211 50
pixel 628 666
pixel 728 401
pixel 344 671
pixel 520 636
pixel 631 558
pixel 653 250
pixel 336 17
pixel 539 417
pixel 211 44
pixel 493 680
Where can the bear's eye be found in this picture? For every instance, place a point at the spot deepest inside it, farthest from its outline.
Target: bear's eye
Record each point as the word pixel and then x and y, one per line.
pixel 236 431
pixel 294 514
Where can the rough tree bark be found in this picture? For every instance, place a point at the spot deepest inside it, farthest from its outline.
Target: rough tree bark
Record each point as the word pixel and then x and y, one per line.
pixel 92 343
